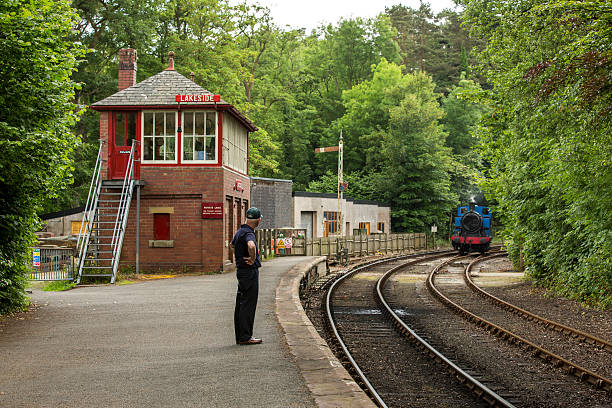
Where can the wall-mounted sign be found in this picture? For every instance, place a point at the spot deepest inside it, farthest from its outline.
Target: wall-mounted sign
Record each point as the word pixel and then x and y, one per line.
pixel 212 210
pixel 238 186
pixel 197 98
pixel 36 257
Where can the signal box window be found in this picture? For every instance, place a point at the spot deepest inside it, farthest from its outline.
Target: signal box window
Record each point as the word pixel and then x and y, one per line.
pixel 159 137
pixel 161 227
pixel 200 137
pixel 381 227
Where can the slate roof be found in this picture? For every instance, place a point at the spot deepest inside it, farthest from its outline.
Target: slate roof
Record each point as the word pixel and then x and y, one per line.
pixel 159 89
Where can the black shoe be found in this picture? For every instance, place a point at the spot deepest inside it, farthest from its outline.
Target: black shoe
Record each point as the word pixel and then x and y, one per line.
pixel 252 340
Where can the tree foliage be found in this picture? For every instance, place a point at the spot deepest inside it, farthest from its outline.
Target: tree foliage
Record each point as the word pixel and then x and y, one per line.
pixel 37 115
pixel 548 136
pixel 396 145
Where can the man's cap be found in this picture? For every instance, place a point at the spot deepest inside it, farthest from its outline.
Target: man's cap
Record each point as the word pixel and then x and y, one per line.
pixel 253 213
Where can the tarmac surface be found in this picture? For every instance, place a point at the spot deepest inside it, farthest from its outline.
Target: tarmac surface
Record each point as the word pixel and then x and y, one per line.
pixel 158 343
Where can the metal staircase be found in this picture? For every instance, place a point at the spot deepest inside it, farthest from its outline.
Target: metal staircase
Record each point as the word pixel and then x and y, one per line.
pixel 104 222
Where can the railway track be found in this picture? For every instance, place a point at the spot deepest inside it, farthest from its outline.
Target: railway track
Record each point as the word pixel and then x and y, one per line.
pixel 397 372
pixel 579 335
pixel 561 351
pixel 376 353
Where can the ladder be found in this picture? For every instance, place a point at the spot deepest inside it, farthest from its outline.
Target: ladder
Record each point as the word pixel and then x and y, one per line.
pixel 104 222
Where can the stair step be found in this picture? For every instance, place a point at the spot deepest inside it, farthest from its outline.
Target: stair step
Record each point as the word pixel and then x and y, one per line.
pixel 97 267
pixel 95 275
pixel 103 252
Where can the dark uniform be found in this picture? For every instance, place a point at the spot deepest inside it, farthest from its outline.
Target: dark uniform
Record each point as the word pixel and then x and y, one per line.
pixel 248 284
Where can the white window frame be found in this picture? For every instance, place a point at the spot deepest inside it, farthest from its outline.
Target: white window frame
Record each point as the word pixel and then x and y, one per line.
pixel 207 112
pixel 142 137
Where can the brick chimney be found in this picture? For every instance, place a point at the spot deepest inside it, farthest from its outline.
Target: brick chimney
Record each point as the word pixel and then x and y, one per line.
pixel 127 68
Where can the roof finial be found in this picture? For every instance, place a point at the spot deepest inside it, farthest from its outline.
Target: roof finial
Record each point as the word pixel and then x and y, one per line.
pixel 170 61
pixel 192 76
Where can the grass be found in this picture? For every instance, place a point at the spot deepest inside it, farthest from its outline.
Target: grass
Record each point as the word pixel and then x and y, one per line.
pixel 58 286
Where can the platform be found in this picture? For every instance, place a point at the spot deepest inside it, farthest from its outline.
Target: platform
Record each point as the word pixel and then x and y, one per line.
pixel 170 343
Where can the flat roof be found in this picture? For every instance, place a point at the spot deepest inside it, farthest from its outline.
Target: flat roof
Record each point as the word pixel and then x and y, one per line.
pixel 315 194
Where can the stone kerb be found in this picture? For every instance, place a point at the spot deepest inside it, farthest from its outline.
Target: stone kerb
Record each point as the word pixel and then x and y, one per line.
pixel 330 384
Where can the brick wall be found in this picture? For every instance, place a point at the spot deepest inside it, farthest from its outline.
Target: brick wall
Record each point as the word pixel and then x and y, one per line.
pixel 199 244
pixel 104 129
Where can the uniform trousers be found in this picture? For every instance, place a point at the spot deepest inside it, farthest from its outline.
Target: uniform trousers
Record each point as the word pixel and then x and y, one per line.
pixel 246 303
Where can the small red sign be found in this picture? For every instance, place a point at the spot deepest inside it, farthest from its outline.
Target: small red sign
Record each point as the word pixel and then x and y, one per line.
pixel 238 186
pixel 197 98
pixel 212 210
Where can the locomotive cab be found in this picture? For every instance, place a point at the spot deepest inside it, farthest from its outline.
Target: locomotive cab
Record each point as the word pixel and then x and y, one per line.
pixel 472 229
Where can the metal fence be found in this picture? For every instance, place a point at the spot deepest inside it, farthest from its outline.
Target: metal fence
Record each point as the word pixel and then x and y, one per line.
pixel 354 245
pixel 52 264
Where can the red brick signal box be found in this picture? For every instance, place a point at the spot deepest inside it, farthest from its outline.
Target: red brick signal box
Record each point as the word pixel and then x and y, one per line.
pixel 191 163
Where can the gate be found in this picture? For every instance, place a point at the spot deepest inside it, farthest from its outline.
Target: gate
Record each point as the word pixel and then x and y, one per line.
pixel 52 264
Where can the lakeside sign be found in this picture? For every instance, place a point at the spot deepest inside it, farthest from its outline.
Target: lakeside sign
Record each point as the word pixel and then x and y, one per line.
pixel 197 98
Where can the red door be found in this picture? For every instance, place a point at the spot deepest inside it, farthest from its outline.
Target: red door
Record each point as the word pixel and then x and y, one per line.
pixel 124 131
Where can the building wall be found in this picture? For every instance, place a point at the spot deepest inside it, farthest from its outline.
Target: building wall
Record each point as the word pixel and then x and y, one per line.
pixel 235 144
pixel 197 244
pixel 273 198
pixel 353 212
pixel 61 225
pixel 104 129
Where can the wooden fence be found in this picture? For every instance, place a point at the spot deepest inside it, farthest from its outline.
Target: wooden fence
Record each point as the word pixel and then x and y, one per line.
pixel 356 245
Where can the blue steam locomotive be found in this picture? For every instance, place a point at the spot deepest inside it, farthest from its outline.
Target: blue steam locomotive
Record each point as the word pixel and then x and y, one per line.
pixel 472 229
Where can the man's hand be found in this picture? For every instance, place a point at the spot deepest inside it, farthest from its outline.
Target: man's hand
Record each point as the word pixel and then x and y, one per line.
pixel 248 260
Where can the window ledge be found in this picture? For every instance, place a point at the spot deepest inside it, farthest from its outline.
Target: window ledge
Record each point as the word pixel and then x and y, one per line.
pixel 161 243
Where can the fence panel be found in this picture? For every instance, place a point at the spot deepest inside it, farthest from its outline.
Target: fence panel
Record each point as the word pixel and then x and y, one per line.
pixel 357 245
pixel 52 264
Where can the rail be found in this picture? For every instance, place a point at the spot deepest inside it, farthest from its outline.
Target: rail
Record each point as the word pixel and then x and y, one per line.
pixel 532 316
pixel 122 213
pixel 90 208
pixel 580 372
pixel 479 389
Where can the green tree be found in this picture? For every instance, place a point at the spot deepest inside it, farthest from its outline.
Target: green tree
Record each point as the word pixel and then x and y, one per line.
pixel 415 178
pixel 548 136
pixel 436 44
pixel 37 114
pixel 462 114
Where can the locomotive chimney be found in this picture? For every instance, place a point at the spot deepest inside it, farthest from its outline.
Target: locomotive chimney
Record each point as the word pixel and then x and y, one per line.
pixel 127 68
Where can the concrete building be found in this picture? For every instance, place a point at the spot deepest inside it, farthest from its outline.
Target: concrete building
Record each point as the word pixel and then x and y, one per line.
pixel 318 214
pixel 63 223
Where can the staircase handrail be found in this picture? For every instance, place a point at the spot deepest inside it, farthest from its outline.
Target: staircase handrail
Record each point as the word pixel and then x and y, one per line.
pixel 123 210
pixel 85 230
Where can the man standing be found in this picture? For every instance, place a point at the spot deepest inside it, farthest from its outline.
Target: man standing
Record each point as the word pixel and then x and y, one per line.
pixel 246 254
